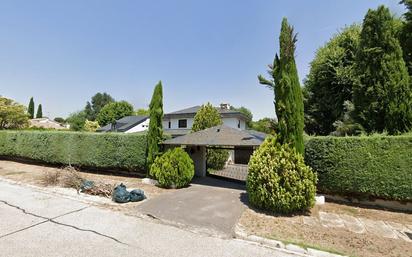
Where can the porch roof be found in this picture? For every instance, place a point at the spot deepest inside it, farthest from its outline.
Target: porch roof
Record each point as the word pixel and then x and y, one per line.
pixel 219 136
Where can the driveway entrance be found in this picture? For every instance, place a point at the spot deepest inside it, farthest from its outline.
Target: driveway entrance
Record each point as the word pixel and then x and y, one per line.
pixel 210 205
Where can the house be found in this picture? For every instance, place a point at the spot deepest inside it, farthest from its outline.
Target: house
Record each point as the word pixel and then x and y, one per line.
pixel 128 124
pixel 180 122
pixel 45 123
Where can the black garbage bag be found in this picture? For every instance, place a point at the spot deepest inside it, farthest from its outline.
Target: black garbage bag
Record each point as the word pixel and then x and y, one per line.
pixel 121 195
pixel 86 185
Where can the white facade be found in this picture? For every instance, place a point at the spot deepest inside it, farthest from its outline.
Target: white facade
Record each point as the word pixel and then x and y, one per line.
pixel 139 127
pixel 173 123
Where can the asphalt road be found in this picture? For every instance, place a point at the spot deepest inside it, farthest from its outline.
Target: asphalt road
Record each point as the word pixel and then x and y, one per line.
pixel 35 222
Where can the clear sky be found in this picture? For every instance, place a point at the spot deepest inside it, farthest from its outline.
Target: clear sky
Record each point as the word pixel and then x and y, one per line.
pixel 63 52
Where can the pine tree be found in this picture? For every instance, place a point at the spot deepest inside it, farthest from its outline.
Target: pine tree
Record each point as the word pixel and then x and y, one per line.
pixel 383 95
pixel 406 35
pixel 39 113
pixel 155 133
pixel 30 109
pixel 288 94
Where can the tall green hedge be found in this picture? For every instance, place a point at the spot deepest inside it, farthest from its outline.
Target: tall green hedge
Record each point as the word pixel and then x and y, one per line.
pixel 108 150
pixel 374 166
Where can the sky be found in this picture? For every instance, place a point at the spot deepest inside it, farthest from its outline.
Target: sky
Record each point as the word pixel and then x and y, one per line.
pixel 63 52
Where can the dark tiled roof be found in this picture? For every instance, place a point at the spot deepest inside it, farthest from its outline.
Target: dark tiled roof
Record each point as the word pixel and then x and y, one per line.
pixel 219 136
pixel 177 132
pixel 124 123
pixel 191 112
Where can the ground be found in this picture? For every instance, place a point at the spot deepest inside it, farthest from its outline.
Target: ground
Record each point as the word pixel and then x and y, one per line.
pixel 207 210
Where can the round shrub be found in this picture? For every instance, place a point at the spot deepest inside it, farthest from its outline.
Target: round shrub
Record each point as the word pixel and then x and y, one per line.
pixel 173 169
pixel 278 179
pixel 217 158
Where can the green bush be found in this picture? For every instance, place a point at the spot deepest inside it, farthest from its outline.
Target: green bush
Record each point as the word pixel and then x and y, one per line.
pixel 278 179
pixel 173 169
pixel 99 150
pixel 373 166
pixel 216 158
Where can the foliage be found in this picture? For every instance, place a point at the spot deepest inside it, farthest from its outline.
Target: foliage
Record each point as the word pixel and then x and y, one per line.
pixel 265 125
pixel 288 95
pixel 155 133
pixel 216 158
pixel 278 179
pixel 373 166
pixel 245 111
pixel 406 35
pixel 12 114
pixel 60 120
pixel 142 112
pixel 173 169
pixel 39 113
pixel 347 126
pixel 91 126
pixel 330 81
pixel 206 117
pixel 383 96
pixel 98 101
pixel 84 149
pixel 77 120
pixel 30 109
pixel 114 111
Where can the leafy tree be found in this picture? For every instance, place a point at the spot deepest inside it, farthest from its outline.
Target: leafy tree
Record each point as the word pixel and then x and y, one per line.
pixel 406 35
pixel 245 111
pixel 39 113
pixel 206 117
pixel 383 96
pixel 77 120
pixel 30 109
pixel 330 81
pixel 91 126
pixel 265 125
pixel 114 111
pixel 60 120
pixel 12 114
pixel 347 126
pixel 155 132
pixel 98 101
pixel 288 95
pixel 142 112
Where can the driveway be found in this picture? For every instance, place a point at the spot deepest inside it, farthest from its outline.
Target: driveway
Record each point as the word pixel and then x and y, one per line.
pixel 37 222
pixel 209 205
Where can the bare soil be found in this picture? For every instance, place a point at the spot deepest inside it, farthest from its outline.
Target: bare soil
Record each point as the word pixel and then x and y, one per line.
pixel 292 229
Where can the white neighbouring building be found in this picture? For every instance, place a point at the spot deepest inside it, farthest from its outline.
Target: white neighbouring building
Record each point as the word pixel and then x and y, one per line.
pixel 128 124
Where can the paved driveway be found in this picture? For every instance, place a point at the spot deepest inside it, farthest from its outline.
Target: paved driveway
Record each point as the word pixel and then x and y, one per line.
pixel 210 205
pixel 36 222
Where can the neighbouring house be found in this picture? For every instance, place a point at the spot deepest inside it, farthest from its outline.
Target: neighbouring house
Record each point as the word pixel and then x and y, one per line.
pixel 128 124
pixel 46 123
pixel 180 122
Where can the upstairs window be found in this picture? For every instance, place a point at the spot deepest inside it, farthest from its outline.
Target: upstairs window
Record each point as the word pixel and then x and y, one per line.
pixel 238 123
pixel 182 123
pixel 170 124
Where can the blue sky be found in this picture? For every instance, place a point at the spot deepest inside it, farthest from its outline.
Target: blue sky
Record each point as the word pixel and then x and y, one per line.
pixel 63 52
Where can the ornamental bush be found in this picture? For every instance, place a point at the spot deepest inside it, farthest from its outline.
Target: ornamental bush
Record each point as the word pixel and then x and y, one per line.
pixel 173 169
pixel 217 158
pixel 278 179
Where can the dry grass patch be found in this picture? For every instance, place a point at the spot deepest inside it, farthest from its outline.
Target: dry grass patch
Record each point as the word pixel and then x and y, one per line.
pixel 50 178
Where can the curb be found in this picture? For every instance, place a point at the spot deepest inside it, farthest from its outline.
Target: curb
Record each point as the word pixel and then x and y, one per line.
pixel 298 250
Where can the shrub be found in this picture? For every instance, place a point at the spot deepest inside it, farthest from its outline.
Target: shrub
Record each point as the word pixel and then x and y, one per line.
pixel 173 169
pixel 216 158
pixel 98 150
pixel 374 166
pixel 278 179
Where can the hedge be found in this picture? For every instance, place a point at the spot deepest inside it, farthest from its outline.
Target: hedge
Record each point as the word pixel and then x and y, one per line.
pixel 84 149
pixel 364 167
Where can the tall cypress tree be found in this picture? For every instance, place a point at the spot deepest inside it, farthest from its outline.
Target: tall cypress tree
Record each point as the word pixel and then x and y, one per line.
pixel 30 109
pixel 39 113
pixel 383 96
pixel 155 133
pixel 288 94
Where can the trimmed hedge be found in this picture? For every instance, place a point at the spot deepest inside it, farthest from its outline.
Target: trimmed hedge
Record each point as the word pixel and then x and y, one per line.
pixel 364 167
pixel 98 150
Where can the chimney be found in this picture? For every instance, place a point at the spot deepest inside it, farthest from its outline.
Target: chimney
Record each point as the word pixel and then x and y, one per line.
pixel 225 106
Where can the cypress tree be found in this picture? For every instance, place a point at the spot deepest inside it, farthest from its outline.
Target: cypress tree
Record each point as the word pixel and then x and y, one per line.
pixel 155 133
pixel 288 94
pixel 30 109
pixel 39 113
pixel 383 95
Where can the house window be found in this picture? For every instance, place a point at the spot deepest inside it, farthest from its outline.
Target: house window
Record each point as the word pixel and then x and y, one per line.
pixel 238 123
pixel 170 124
pixel 182 123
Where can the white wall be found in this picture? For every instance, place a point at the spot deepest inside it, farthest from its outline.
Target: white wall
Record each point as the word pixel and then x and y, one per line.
pixel 140 127
pixel 230 122
pixel 233 123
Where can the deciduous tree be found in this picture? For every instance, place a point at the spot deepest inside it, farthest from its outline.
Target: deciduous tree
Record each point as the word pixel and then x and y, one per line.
pixel 114 111
pixel 206 117
pixel 12 114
